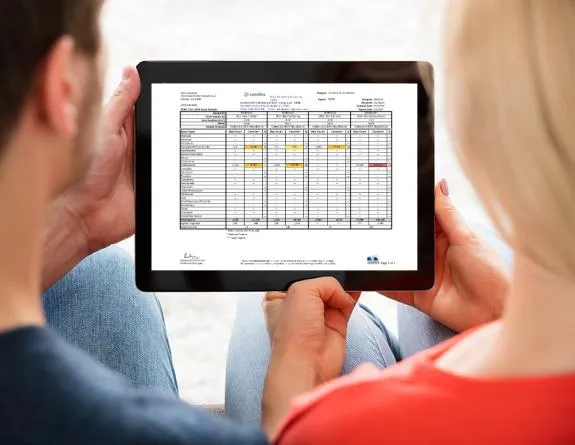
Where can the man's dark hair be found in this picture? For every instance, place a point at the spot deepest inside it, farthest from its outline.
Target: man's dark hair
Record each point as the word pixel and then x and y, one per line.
pixel 28 30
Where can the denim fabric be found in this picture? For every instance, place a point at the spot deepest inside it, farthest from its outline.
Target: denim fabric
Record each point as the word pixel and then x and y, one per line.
pixel 249 351
pixel 368 340
pixel 98 308
pixel 52 392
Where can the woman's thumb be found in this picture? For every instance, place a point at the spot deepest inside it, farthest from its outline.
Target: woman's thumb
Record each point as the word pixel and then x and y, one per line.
pixel 448 217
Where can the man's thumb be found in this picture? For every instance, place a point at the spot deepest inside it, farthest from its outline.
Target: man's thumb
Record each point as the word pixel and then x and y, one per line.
pixel 123 100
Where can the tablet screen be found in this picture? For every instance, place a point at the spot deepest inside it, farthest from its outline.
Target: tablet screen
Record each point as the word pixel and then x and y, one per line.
pixel 284 176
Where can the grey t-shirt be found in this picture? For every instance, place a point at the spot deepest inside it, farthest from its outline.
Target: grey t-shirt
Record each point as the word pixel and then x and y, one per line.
pixel 53 393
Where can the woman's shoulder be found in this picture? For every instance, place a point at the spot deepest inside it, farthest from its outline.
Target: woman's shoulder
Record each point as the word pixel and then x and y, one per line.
pixel 414 401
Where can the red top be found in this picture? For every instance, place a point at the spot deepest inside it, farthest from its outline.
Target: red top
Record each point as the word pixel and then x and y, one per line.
pixel 414 403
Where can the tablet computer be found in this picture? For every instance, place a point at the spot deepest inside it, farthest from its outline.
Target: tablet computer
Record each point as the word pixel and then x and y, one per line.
pixel 251 176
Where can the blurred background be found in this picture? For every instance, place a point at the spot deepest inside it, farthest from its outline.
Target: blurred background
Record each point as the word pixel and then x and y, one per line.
pixel 199 325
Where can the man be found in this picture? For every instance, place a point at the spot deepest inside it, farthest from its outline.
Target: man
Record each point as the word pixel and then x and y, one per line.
pixel 50 392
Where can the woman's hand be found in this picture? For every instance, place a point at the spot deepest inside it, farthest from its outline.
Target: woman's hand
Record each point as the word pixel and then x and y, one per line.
pixel 470 282
pixel 307 328
pixel 311 320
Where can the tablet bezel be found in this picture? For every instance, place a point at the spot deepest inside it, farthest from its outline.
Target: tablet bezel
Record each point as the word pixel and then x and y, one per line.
pixel 282 72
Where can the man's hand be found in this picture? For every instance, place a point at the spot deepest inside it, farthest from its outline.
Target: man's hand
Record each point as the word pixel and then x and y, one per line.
pixel 470 283
pixel 104 201
pixel 307 328
pixel 99 211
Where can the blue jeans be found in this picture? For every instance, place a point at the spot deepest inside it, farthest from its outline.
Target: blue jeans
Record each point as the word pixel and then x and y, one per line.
pixel 98 308
pixel 368 341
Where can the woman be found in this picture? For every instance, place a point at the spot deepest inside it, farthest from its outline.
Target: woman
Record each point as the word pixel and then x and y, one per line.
pixel 510 379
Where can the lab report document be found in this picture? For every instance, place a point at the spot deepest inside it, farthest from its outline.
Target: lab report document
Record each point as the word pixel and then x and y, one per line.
pixel 284 177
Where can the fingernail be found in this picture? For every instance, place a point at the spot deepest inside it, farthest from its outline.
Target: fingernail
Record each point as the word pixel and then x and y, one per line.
pixel 444 187
pixel 127 73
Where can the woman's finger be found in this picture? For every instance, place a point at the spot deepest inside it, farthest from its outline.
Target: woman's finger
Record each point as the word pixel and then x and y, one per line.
pixel 449 218
pixel 355 295
pixel 274 295
pixel 328 289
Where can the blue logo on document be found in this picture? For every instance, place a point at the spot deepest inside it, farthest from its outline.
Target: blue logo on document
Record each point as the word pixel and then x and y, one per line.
pixel 372 260
pixel 248 94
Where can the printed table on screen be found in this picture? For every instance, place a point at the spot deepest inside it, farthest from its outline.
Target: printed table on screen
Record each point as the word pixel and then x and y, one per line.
pixel 286 170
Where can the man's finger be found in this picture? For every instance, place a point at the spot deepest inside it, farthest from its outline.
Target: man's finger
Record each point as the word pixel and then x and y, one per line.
pixel 449 218
pixel 122 102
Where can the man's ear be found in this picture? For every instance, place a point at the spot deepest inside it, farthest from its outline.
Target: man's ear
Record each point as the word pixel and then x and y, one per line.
pixel 60 88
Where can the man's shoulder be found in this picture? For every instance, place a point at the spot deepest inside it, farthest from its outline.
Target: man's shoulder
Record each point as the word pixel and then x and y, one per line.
pixel 51 392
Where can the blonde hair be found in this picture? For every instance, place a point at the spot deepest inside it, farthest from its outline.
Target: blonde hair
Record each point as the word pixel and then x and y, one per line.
pixel 510 68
